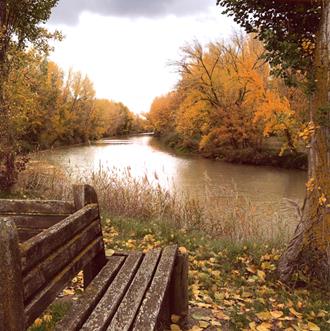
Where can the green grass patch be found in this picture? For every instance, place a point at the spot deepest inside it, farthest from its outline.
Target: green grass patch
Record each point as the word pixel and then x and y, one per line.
pixel 53 315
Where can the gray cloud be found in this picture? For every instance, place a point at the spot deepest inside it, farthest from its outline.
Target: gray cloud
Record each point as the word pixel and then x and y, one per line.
pixel 68 11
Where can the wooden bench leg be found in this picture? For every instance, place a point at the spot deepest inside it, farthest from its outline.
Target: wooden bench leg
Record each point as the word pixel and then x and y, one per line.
pixel 93 268
pixel 11 284
pixel 179 287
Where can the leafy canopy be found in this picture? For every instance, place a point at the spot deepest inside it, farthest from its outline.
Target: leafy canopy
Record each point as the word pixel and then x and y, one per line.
pixel 21 20
pixel 287 28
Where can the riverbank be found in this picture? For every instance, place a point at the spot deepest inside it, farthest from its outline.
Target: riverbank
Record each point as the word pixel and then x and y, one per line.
pixel 267 156
pixel 233 248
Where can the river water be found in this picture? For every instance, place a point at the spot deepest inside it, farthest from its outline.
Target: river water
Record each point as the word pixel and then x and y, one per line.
pixel 193 175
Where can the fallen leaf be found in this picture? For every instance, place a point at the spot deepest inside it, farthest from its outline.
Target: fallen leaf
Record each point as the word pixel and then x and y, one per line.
pixel 313 327
pixel 183 250
pixel 175 318
pixel 261 275
pixel 47 318
pixel 109 252
pixel 264 315
pixel 204 324
pixel 264 327
pixel 37 322
pixel 295 313
pixel 175 327
pixel 221 316
pixel 195 328
pixel 276 313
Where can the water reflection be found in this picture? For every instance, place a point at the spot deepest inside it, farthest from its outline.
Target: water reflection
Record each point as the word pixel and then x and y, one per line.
pixel 190 174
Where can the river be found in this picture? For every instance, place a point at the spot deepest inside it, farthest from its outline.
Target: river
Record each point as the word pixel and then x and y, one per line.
pixel 193 175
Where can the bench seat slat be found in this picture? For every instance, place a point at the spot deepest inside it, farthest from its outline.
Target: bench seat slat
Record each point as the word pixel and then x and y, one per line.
pixel 49 293
pixel 43 244
pixel 89 299
pixel 54 263
pixel 154 298
pixel 125 314
pixel 103 312
pixel 54 207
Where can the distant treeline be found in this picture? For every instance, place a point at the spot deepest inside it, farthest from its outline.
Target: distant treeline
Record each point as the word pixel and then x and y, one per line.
pixel 228 104
pixel 48 107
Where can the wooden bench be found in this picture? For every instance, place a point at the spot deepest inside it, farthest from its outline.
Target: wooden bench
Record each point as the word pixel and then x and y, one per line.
pixel 45 244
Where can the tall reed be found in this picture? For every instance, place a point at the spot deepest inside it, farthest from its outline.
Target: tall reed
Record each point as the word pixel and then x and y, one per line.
pixel 228 215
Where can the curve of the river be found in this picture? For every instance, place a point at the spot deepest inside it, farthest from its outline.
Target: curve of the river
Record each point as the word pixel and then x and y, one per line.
pixel 143 155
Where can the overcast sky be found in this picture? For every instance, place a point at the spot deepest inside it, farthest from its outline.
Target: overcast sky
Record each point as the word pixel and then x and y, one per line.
pixel 125 45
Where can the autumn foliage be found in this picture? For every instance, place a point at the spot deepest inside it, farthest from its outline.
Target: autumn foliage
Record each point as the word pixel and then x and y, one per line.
pixel 227 100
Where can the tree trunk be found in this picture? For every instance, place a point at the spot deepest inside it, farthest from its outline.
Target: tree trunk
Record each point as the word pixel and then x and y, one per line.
pixel 8 171
pixel 309 250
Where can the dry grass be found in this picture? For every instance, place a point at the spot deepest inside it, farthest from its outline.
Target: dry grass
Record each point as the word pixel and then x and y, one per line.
pixel 228 216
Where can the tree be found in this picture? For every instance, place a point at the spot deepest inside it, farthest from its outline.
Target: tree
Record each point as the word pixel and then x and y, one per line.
pixel 162 113
pixel 20 26
pixel 297 39
pixel 222 84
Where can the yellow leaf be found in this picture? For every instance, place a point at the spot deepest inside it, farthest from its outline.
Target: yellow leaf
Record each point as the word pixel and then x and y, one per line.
pixel 264 327
pixel 204 324
pixel 264 316
pixel 247 295
pixel 295 313
pixel 252 269
pixel 215 323
pixel 261 275
pixel 37 322
pixel 195 328
pixel 68 292
pixel 252 325
pixel 175 327
pixel 322 313
pixel 183 250
pixel 313 327
pixel 267 266
pixel 175 318
pixel 276 313
pixel 221 316
pixel 47 318
pixel 109 252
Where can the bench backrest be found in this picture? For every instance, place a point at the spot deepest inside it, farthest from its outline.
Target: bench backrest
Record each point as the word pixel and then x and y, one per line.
pixel 34 272
pixel 33 216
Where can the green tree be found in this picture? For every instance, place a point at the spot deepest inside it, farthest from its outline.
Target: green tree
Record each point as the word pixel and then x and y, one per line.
pixel 20 26
pixel 297 39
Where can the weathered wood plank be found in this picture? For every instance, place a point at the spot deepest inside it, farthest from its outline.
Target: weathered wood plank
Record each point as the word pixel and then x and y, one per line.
pixel 43 244
pixel 35 221
pixel 11 290
pixel 26 234
pixel 53 207
pixel 106 308
pixel 179 286
pixel 54 263
pixel 83 195
pixel 92 295
pixel 130 304
pixel 153 301
pixel 43 298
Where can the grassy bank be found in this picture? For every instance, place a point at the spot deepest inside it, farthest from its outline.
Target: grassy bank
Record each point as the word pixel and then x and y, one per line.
pixel 267 155
pixel 234 245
